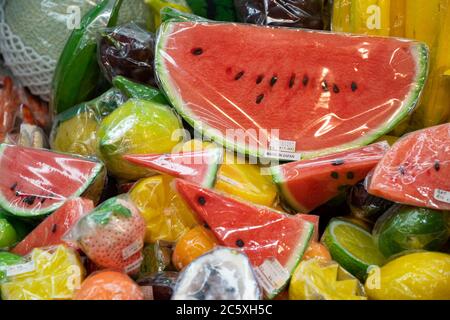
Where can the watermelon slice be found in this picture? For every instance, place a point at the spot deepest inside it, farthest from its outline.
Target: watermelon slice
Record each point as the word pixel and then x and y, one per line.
pixel 271 239
pixel 416 171
pixel 251 87
pixel 37 182
pixel 307 184
pixel 50 231
pixel 199 167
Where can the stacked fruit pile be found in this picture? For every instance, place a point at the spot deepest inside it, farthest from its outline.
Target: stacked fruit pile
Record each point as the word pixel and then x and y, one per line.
pixel 215 160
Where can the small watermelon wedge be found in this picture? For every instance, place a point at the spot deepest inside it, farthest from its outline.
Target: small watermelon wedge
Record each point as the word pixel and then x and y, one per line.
pixel 307 184
pixel 288 84
pixel 37 182
pixel 198 167
pixel 272 240
pixel 416 170
pixel 51 231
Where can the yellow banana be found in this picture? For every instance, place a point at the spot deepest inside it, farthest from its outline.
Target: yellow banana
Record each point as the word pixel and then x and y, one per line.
pixel 397 16
pixel 422 21
pixel 341 16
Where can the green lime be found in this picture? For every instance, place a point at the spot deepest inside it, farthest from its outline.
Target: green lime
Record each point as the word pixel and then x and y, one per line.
pixel 352 247
pixel 406 228
pixel 137 127
pixel 8 259
pixel 8 235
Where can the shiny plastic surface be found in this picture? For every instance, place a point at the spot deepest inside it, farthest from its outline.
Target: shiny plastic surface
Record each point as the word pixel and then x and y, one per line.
pixel 221 274
pixel 129 51
pixel 283 93
pixel 52 273
pixel 112 235
pixel 159 285
pixel 416 170
pixel 423 20
pixel 292 13
pixel 157 258
pixel 109 285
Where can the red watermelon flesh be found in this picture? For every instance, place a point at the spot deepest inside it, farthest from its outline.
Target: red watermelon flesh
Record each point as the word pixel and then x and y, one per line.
pixel 260 232
pixel 416 171
pixel 307 184
pixel 197 166
pixel 314 220
pixel 36 182
pixel 323 92
pixel 51 231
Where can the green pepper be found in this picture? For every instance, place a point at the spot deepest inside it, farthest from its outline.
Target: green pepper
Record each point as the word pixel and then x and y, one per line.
pixel 78 73
pixel 138 91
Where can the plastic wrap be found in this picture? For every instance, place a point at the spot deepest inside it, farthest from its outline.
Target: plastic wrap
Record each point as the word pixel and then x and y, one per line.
pixel 166 216
pixel 291 13
pixel 157 258
pixel 128 51
pixel 219 10
pixel 75 130
pixel 282 93
pixel 222 274
pixel 137 127
pixel 109 285
pixel 46 274
pixel 8 233
pixel 157 5
pixel 159 285
pixel 415 170
pixel 112 235
pixel 424 20
pixel 404 228
pixel 319 279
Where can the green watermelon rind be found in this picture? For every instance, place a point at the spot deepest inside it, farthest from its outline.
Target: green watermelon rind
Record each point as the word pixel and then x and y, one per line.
pixel 296 258
pixel 5 205
pixel 419 50
pixel 211 175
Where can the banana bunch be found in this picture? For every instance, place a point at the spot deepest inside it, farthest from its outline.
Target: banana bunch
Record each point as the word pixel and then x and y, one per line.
pixel 424 20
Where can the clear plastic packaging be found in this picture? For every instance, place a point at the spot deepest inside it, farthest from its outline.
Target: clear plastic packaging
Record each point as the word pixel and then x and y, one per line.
pixel 159 285
pixel 157 258
pixel 286 93
pixel 112 235
pixel 291 13
pixel 45 274
pixel 221 274
pixel 129 51
pixel 416 170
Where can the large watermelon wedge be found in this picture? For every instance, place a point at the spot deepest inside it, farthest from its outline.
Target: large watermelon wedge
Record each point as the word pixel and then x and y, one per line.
pixel 197 166
pixel 267 237
pixel 307 184
pixel 36 182
pixel 247 86
pixel 416 171
pixel 51 231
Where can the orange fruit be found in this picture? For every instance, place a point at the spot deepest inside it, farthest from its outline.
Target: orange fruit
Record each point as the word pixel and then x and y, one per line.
pixel 193 244
pixel 109 285
pixel 317 250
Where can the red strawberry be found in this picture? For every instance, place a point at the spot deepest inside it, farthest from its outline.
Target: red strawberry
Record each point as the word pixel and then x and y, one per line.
pixel 112 236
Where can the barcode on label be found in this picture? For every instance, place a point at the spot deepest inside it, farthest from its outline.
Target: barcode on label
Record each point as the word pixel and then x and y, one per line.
pixel 19 269
pixel 442 195
pixel 271 275
pixel 132 249
pixel 287 156
pixel 283 146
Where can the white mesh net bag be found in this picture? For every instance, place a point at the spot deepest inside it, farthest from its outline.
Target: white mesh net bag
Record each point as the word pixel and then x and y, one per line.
pixel 33 34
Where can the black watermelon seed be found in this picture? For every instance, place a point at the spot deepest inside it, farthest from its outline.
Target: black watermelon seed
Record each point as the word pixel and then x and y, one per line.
pixel 239 75
pixel 201 200
pixel 259 79
pixel 29 200
pixel 259 98
pixel 17 193
pixel 402 170
pixel 437 165
pixel 354 86
pixel 239 243
pixel 13 187
pixel 334 175
pixel 325 86
pixel 337 162
pixel 54 227
pixel 335 88
pixel 305 80
pixel 273 81
pixel 350 175
pixel 206 226
pixel 197 51
pixel 292 81
pixel 43 200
